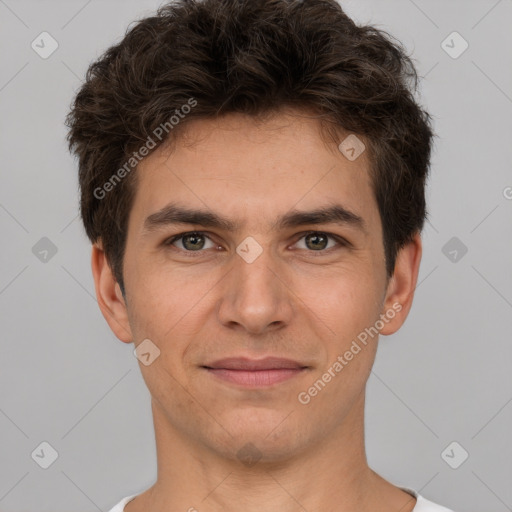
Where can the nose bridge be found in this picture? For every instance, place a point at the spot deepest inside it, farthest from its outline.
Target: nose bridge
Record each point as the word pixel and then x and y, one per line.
pixel 253 296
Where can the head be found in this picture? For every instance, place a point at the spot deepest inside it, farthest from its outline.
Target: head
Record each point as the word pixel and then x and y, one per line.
pixel 238 110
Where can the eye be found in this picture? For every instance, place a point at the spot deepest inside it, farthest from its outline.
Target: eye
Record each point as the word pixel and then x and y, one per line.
pixel 191 242
pixel 317 241
pixel 313 241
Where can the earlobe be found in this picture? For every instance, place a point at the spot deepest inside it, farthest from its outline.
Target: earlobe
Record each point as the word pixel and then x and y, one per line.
pixel 109 296
pixel 401 286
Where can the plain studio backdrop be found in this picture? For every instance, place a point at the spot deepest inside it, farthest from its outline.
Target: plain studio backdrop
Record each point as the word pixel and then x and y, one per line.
pixel 439 409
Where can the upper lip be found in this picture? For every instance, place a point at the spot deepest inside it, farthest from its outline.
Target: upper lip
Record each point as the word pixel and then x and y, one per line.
pixel 244 363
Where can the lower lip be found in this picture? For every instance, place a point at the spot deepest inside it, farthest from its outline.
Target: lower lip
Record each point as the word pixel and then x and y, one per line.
pixel 256 378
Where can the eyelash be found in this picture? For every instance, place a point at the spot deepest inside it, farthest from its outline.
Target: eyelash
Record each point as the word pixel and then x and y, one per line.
pixel 340 241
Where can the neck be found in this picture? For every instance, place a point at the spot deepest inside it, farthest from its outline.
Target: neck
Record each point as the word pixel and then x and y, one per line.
pixel 331 474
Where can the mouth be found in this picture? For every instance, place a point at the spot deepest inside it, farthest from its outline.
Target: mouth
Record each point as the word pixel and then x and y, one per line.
pixel 255 373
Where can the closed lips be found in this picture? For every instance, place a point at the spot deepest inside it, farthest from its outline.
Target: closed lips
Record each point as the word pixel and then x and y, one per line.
pixel 244 364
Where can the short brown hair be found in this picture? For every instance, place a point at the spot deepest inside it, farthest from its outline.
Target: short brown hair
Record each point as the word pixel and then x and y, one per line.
pixel 252 57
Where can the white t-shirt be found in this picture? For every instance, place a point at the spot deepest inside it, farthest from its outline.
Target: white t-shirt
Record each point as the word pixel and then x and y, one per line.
pixel 422 505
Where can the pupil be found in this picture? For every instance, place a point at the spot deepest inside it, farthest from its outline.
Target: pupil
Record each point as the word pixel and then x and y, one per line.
pixel 316 236
pixel 192 237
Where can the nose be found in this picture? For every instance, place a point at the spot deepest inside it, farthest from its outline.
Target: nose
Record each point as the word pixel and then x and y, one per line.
pixel 255 297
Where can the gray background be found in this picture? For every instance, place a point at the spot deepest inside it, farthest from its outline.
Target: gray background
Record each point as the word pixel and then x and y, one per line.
pixel 444 377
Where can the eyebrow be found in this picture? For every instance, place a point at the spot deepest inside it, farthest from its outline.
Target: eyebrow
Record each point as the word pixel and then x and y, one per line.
pixel 174 214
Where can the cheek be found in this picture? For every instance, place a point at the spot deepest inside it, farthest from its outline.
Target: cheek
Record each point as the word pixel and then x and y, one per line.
pixel 349 306
pixel 167 303
pixel 345 302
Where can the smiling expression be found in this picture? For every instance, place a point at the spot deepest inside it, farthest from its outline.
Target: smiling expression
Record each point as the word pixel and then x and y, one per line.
pixel 253 240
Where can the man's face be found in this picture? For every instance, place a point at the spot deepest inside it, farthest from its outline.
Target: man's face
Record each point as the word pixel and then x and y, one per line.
pixel 303 291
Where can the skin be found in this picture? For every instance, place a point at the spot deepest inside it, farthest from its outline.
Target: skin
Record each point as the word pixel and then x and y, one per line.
pixel 297 300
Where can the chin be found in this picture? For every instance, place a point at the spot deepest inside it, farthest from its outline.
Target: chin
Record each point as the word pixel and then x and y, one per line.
pixel 263 438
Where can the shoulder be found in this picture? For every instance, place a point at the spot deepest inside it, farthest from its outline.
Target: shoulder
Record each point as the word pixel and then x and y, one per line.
pixel 424 505
pixel 120 506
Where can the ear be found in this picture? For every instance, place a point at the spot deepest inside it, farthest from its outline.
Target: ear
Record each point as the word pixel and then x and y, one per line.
pixel 401 286
pixel 109 296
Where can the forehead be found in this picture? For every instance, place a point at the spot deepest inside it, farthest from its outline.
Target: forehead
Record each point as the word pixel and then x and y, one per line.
pixel 243 166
